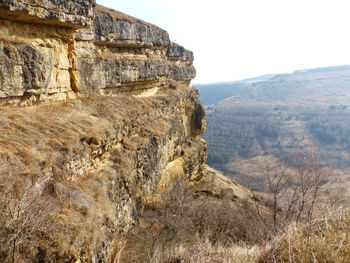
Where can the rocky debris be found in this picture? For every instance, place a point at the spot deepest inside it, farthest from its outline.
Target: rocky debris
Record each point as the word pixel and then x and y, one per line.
pixel 216 184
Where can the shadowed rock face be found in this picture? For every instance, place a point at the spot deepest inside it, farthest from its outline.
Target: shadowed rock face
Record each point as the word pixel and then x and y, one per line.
pixel 199 122
pixel 23 70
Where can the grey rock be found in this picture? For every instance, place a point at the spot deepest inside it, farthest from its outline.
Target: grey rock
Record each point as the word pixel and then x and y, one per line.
pixel 178 52
pixel 115 52
pixel 23 70
pixel 182 73
pixel 110 30
pixel 108 74
pixel 77 199
pixel 69 12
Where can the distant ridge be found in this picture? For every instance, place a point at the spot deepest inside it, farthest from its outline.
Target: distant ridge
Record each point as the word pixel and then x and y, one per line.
pixel 212 93
pixel 269 87
pixel 323 69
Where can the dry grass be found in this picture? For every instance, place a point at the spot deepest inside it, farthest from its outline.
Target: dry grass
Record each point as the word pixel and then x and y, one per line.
pixel 38 142
pixel 210 230
pixel 203 251
pixel 195 227
pixel 83 150
pixel 324 240
pixel 52 135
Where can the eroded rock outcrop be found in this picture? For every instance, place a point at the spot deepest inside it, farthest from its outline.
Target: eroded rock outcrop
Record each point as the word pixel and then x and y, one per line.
pixel 68 13
pixel 96 160
pixel 72 49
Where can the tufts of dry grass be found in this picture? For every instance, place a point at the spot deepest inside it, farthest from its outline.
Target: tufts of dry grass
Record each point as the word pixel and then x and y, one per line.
pixel 52 135
pixel 323 240
pixel 203 251
pixel 326 240
pixel 47 143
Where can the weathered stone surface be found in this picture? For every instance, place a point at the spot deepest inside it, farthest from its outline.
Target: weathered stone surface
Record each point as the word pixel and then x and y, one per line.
pixel 103 159
pixel 34 61
pixel 108 74
pixel 178 52
pixel 215 183
pixel 114 54
pixel 111 29
pixel 23 70
pixel 148 61
pixel 100 74
pixel 72 13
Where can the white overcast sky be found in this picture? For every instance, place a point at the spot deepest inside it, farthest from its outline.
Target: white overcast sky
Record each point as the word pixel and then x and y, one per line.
pixel 236 39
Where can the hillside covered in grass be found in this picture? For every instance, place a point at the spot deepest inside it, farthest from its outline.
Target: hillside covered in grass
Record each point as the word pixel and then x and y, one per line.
pixel 288 115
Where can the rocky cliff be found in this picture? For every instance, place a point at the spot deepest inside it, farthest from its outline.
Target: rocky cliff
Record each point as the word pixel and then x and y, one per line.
pixel 58 50
pixel 121 127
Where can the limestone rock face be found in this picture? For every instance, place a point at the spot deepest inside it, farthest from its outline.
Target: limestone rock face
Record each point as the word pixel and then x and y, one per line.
pixel 103 158
pixel 24 69
pixel 72 49
pixel 110 30
pixel 176 51
pixel 72 13
pixel 199 123
pixel 128 55
pixel 123 123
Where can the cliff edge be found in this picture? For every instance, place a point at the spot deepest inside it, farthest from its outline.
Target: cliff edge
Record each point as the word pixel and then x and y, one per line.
pixel 98 123
pixel 58 50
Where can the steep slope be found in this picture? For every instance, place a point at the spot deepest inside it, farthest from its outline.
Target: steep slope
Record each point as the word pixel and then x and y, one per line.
pixel 98 124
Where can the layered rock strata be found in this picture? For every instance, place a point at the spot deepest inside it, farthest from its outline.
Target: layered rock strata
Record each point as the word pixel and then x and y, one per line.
pixel 56 51
pixel 124 125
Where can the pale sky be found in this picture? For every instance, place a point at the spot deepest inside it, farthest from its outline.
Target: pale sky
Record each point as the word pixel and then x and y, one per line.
pixel 236 39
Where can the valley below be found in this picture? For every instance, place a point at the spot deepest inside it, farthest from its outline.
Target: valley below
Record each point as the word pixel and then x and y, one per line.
pixel 290 115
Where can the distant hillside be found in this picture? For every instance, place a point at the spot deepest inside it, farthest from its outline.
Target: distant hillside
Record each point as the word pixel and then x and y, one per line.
pixel 305 111
pixel 314 86
pixel 215 92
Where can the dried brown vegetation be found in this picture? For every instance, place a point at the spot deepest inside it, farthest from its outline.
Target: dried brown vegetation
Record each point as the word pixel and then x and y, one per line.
pixel 81 155
pixel 191 229
pixel 53 211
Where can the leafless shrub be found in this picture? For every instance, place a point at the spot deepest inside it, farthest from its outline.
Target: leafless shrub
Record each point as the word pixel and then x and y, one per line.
pixel 295 193
pixel 178 198
pixel 25 212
